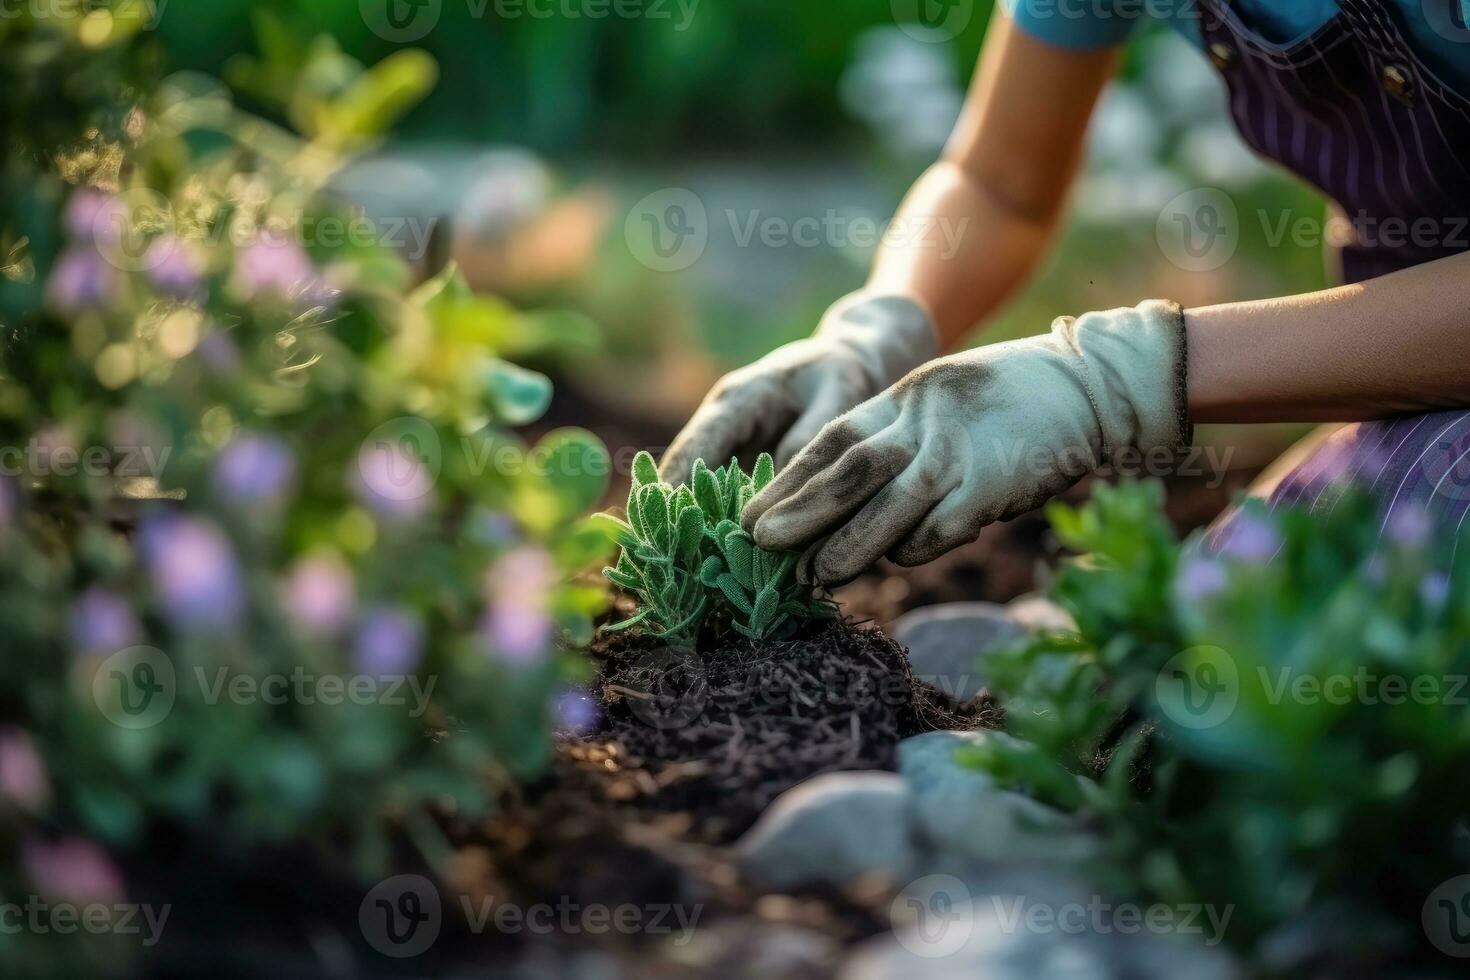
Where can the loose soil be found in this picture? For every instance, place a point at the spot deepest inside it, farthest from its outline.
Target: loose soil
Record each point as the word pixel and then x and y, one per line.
pixel 722 733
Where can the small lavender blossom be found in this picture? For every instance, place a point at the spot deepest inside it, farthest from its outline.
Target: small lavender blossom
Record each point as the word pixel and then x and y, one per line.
pixel 81 280
pixel 489 527
pixel 103 621
pixel 1250 539
pixel 193 570
pixel 255 470
pixel 392 482
pixel 89 215
pixel 517 625
pixel 23 777
pixel 389 643
pixel 575 712
pixel 1408 527
pixel 319 594
pixel 175 267
pixel 72 869
pixel 275 265
pixel 218 352
pixel 1434 590
pixel 1200 578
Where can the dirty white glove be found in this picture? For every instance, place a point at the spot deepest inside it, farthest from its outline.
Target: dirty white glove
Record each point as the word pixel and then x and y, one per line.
pixel 863 344
pixel 978 437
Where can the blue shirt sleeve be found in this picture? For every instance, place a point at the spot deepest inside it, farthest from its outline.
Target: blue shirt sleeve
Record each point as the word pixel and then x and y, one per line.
pixel 1082 25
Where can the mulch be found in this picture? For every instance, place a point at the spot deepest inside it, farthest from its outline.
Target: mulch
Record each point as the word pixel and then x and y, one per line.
pixel 722 732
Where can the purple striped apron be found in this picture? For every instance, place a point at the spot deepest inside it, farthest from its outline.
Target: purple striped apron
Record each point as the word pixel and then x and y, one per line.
pixel 1354 111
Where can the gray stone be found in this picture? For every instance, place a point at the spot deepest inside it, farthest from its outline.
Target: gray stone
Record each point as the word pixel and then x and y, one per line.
pixel 1030 926
pixel 947 642
pixel 831 829
pixel 961 816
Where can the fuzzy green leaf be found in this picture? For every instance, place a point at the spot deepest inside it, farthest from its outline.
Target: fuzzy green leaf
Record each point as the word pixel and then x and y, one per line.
pixel 622 579
pixel 653 505
pixel 711 570
pixel 764 614
pixel 644 469
pixel 707 492
pixel 688 534
pixel 739 555
pixel 764 472
pixel 735 594
pixel 733 484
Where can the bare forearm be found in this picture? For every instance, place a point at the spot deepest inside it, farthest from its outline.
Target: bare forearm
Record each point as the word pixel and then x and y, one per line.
pixel 957 250
pixel 975 225
pixel 1399 343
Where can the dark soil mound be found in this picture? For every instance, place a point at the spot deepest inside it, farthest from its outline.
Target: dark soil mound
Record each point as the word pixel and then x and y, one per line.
pixel 722 732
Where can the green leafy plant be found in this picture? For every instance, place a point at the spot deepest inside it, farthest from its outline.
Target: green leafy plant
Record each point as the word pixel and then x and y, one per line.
pixel 1271 723
pixel 686 558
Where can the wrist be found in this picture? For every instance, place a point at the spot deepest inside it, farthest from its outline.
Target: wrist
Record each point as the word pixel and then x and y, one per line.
pixel 1134 362
pixel 893 333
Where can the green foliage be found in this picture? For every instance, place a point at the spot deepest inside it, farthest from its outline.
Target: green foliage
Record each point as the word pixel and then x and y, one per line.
pixel 1300 720
pixel 298 465
pixel 686 557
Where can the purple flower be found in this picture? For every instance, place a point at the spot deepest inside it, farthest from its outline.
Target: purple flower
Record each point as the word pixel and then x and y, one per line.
pixel 1409 527
pixel 273 265
pixel 91 214
pixel 390 642
pixel 1250 538
pixel 193 570
pixel 102 620
pixel 492 528
pixel 73 870
pixel 218 352
pixel 391 481
pixel 517 625
pixel 1199 578
pixel 319 594
pixel 81 279
pixel 254 470
pixel 576 712
pixel 1434 589
pixel 23 777
pixel 175 267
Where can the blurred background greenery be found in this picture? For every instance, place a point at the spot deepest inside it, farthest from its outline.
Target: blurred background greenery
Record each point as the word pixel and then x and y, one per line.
pixel 552 118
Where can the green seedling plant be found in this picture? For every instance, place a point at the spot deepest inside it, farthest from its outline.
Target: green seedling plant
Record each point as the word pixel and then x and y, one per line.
pixel 687 559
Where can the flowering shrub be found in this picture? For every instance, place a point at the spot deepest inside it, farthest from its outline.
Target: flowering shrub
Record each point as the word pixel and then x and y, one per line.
pixel 1283 718
pixel 273 567
pixel 687 559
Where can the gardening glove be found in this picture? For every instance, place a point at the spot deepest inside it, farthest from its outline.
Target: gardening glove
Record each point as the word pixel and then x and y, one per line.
pixel 863 344
pixel 978 437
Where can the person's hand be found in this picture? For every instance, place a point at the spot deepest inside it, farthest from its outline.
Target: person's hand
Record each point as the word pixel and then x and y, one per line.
pixel 977 437
pixel 863 344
